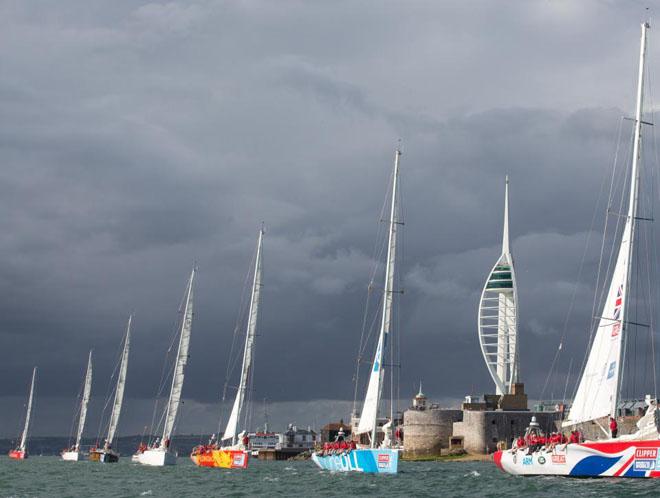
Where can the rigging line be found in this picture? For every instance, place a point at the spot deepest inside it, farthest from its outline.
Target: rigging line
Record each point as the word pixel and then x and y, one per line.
pixel 240 324
pixel 109 390
pixel 356 378
pixel 599 302
pixel 377 255
pixel 76 410
pixel 165 372
pixel 583 259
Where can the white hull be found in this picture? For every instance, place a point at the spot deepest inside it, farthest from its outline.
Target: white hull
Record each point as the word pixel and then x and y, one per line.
pixel 610 458
pixel 155 458
pixel 72 456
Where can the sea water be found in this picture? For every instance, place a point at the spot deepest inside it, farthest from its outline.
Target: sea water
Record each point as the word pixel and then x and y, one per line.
pixel 51 477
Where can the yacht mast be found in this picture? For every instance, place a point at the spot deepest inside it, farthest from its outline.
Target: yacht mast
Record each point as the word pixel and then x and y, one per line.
pixel 85 401
pixel 181 361
pixel 119 389
pixel 28 414
pixel 248 352
pixel 633 201
pixel 369 415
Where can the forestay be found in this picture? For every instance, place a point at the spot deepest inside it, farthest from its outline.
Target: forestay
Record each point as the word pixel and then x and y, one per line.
pixel 368 417
pixel 179 369
pixel 87 389
pixel 598 391
pixel 28 414
pixel 248 352
pixel 119 389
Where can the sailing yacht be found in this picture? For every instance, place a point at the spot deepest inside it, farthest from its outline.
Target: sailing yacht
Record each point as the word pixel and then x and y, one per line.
pixel 20 452
pixel 383 458
pixel 233 451
pixel 597 395
pixel 74 453
pixel 159 453
pixel 107 454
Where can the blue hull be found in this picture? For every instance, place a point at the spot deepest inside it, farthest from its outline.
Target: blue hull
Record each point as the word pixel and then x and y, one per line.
pixel 376 461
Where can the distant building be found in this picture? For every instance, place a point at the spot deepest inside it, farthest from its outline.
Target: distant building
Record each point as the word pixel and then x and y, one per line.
pixel 264 440
pixel 298 439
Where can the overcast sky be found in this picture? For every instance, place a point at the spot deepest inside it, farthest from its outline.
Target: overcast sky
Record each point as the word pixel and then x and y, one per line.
pixel 136 138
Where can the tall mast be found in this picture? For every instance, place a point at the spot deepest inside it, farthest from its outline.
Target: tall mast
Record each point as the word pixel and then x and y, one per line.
pixel 633 198
pixel 181 361
pixel 119 389
pixel 85 400
pixel 248 351
pixel 28 414
pixel 599 389
pixel 369 415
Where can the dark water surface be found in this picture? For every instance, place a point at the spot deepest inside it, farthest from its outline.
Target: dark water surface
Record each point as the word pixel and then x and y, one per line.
pixel 51 477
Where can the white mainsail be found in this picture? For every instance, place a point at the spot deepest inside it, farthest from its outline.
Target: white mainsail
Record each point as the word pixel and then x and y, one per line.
pixel 368 417
pixel 248 352
pixel 87 389
pixel 28 414
pixel 598 391
pixel 181 360
pixel 119 389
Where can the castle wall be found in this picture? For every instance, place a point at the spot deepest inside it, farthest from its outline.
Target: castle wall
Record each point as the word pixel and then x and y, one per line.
pixel 482 430
pixel 425 432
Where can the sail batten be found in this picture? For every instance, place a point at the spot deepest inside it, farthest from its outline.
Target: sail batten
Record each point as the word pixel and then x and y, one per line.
pixel 119 388
pixel 231 430
pixel 179 369
pixel 87 389
pixel 369 415
pixel 597 395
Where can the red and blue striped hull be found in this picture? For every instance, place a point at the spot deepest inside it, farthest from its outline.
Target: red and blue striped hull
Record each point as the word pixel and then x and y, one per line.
pixel 635 458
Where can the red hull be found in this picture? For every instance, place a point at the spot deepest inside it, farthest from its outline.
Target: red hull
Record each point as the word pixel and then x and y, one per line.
pixel 205 456
pixel 18 454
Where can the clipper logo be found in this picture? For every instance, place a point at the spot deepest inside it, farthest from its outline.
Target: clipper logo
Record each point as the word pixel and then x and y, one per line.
pixel 646 453
pixel 541 460
pixel 645 458
pixel 239 459
pixel 559 459
pixel 383 460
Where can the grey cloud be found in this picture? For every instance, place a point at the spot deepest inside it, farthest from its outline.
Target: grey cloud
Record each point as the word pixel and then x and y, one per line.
pixel 138 138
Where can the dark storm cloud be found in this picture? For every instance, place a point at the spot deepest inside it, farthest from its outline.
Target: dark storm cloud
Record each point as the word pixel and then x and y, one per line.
pixel 138 138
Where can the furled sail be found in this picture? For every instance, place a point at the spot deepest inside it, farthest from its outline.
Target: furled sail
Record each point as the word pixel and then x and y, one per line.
pixel 119 389
pixel 598 391
pixel 179 369
pixel 28 414
pixel 87 389
pixel 369 415
pixel 248 352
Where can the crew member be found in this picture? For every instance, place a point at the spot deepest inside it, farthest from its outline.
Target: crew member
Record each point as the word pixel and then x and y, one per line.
pixel 614 427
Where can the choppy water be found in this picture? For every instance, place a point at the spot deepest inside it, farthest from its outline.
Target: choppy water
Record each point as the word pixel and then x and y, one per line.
pixel 51 477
